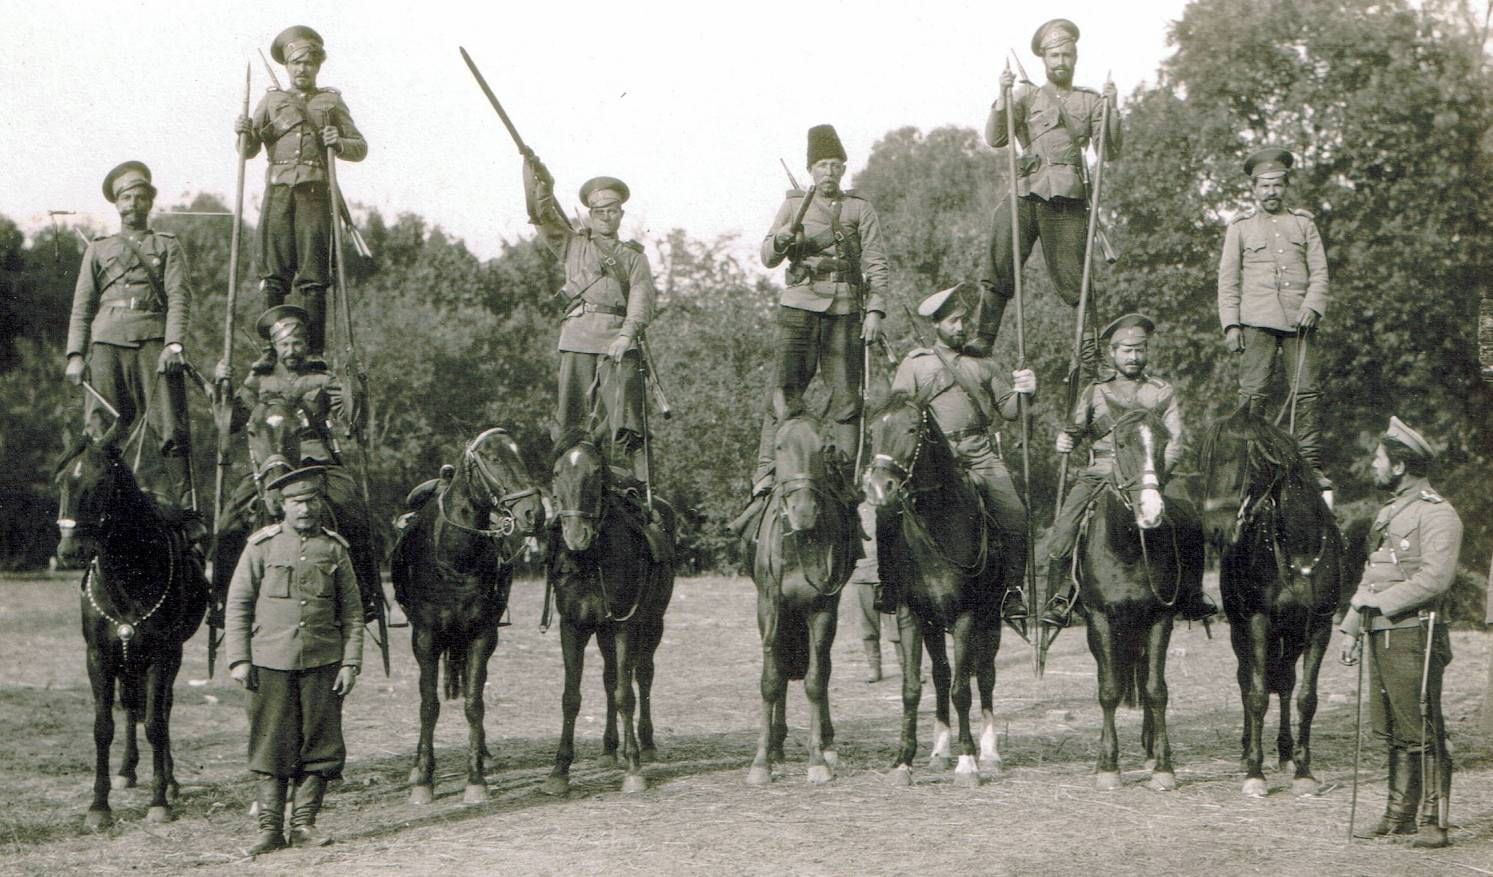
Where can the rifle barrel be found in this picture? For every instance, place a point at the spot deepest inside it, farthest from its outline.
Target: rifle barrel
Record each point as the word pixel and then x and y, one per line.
pixel 496 105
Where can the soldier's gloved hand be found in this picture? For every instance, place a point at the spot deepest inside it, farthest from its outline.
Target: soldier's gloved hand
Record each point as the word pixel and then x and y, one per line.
pixel 241 125
pixel 1349 649
pixel 1024 380
pixel 347 677
pixel 619 347
pixel 243 673
pixel 783 240
pixel 871 328
pixel 1064 443
pixel 1233 339
pixel 74 371
pixel 1307 321
pixel 541 173
pixel 330 136
pixel 222 372
pixel 171 361
pixel 1008 80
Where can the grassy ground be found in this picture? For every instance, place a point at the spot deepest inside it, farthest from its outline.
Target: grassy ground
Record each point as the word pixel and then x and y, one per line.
pixel 1041 814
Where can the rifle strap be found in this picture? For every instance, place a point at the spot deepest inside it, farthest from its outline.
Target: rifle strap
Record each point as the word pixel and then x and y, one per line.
pixel 610 266
pixel 977 397
pixel 155 281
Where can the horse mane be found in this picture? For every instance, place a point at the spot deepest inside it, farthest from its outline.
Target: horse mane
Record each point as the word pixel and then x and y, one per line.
pixel 1265 443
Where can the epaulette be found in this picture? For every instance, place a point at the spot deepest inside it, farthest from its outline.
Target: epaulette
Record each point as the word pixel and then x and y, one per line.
pixel 851 193
pixel 1248 214
pixel 273 88
pixel 919 351
pixel 1106 378
pixel 1158 382
pixel 102 237
pixel 794 193
pixel 1304 214
pixel 327 89
pixel 1085 89
pixel 633 245
pixel 1431 496
pixel 164 234
pixel 267 533
pixel 336 537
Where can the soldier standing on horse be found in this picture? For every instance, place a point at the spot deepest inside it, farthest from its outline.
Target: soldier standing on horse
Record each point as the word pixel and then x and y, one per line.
pixel 1417 537
pixel 1272 292
pixel 1093 418
pixel 609 296
pixel 298 126
pixel 129 320
pixel 1055 121
pixel 294 639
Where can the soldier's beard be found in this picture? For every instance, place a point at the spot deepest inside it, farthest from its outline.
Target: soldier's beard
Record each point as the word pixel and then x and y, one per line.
pixel 1388 481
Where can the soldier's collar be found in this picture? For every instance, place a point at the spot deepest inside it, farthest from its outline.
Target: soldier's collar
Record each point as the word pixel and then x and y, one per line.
pixel 1411 484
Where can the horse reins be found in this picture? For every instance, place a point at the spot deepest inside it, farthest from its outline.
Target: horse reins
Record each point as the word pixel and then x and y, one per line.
pixel 909 511
pixel 596 516
pixel 1148 480
pixel 781 492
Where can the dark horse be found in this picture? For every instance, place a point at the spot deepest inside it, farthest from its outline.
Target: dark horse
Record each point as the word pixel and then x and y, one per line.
pixel 1279 573
pixel 934 542
pixel 143 598
pixel 802 554
pixel 1139 551
pixel 452 570
pixel 609 581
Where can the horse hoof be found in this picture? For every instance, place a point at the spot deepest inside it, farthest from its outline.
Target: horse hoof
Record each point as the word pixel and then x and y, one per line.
pixel 253 809
pixel 759 775
pixel 98 820
pixel 990 766
pixel 119 782
pixel 819 774
pixel 1150 764
pixel 1107 780
pixel 967 779
pixel 158 814
pixel 938 762
pixel 558 786
pixel 648 755
pixel 634 782
pixel 1304 787
pixel 1164 781
pixel 607 761
pixel 173 792
pixel 901 775
pixel 475 793
pixel 1287 766
pixel 421 795
pixel 831 758
pixel 417 777
pixel 1255 788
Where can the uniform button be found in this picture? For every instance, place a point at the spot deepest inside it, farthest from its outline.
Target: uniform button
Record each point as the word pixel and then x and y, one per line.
pixel 303 624
pixel 303 602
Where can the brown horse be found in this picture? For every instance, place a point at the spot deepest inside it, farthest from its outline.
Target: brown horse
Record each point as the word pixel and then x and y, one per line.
pixel 936 547
pixel 610 582
pixel 803 552
pixel 1279 573
pixel 143 598
pixel 452 570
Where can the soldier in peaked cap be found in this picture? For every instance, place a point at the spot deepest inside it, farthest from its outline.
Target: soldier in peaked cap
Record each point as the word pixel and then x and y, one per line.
pixel 1055 123
pixel 833 301
pixel 1093 418
pixel 294 639
pixel 131 307
pixel 1272 293
pixel 609 295
pixel 297 126
pixel 1417 536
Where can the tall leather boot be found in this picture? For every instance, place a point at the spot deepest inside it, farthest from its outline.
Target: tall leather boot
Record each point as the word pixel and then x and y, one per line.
pixel 1062 593
pixel 274 296
pixel 1194 605
pixel 271 795
pixel 309 790
pixel 1013 574
pixel 1438 790
pixel 873 660
pixel 314 300
pixel 1403 797
pixel 990 309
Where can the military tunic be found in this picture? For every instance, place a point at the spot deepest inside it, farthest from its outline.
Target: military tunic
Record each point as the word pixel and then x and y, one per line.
pixel 293 613
pixel 1418 538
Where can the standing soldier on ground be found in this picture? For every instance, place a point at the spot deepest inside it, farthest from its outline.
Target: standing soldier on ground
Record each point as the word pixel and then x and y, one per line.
pixel 129 320
pixel 1417 536
pixel 1272 292
pixel 294 639
pixel 295 226
pixel 1055 122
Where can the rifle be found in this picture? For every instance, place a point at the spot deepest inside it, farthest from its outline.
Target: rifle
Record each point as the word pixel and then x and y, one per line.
pixel 650 375
pixel 523 148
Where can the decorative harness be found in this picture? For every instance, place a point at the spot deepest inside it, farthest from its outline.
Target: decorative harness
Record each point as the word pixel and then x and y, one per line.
pixel 476 470
pixel 596 517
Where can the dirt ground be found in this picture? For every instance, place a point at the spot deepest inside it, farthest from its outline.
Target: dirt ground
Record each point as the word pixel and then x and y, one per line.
pixel 1040 815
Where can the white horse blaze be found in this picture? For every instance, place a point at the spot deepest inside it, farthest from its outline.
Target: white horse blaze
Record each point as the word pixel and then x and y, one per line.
pixel 1148 511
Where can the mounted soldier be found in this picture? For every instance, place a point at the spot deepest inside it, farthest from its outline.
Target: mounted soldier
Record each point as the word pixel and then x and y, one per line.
pixel 131 307
pixel 299 125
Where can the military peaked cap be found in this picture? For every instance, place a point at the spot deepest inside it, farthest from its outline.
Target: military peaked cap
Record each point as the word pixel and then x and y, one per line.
pixel 942 304
pixel 1270 160
pixel 1408 437
pixel 305 481
pixel 1129 329
pixel 129 175
pixel 824 143
pixel 1054 33
pixel 277 321
pixel 600 184
pixel 295 40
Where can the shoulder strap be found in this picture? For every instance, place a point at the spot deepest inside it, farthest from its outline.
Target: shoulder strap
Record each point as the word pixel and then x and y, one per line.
pixel 979 399
pixel 155 282
pixel 610 266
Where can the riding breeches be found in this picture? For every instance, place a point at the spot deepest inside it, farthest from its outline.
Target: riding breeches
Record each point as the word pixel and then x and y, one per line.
pixel 1062 226
pixel 828 345
pixel 295 723
pixel 1064 533
pixel 1397 660
pixel 1263 348
pixel 593 382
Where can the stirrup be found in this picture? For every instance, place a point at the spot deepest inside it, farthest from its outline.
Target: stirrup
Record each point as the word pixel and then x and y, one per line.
pixel 1058 612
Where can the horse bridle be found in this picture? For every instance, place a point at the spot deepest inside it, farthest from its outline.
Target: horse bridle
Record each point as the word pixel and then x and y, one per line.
pixel 902 474
pixel 601 496
pixel 1149 478
pixel 491 486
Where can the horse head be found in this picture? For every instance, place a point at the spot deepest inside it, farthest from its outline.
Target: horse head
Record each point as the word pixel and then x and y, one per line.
pixel 1140 440
pixel 1244 458
pixel 798 455
pixel 91 477
pixel 900 430
pixel 492 465
pixel 275 428
pixel 581 479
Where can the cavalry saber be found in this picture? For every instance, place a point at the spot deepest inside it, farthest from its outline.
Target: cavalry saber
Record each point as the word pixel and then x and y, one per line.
pixel 1363 627
pixel 523 148
pixel 99 398
pixel 1427 727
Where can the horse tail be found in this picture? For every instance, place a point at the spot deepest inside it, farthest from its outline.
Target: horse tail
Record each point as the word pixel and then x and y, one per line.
pixel 792 645
pixel 456 670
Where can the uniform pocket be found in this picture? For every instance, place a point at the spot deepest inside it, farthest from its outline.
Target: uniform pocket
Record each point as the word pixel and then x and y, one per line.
pixel 319 579
pixel 277 580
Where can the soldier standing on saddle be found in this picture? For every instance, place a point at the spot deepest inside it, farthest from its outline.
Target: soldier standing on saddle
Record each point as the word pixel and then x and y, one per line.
pixel 1272 292
pixel 1417 536
pixel 129 320
pixel 294 639
pixel 1093 418
pixel 1055 122
pixel 609 297
pixel 295 227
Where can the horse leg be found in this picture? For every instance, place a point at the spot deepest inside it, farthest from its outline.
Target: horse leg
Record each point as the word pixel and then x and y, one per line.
pixel 967 772
pixel 1256 697
pixel 1318 641
pixel 573 646
pixel 606 643
pixel 632 778
pixel 816 691
pixel 1163 776
pixel 101 675
pixel 1106 650
pixel 128 773
pixel 827 726
pixel 938 656
pixel 911 653
pixel 989 642
pixel 158 679
pixel 651 634
pixel 428 657
pixel 775 751
pixel 772 687
pixel 479 650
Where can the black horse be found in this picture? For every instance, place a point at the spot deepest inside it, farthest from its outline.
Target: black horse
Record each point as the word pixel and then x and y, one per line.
pixel 143 598
pixel 937 548
pixel 1279 573
pixel 452 570
pixel 803 552
pixel 611 581
pixel 1139 551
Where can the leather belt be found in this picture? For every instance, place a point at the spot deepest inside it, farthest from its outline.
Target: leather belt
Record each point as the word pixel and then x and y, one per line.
pixel 133 303
pixel 962 434
pixel 587 307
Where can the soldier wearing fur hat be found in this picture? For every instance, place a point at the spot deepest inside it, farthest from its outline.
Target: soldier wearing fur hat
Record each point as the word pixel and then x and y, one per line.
pixel 297 126
pixel 131 307
pixel 834 298
pixel 1417 536
pixel 1055 122
pixel 294 639
pixel 1092 419
pixel 609 295
pixel 1272 293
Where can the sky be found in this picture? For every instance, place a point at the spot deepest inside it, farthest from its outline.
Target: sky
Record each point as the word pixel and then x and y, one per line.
pixel 690 104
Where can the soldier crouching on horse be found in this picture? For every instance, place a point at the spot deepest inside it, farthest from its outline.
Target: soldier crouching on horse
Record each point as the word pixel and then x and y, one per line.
pixel 1093 417
pixel 294 639
pixel 129 320
pixel 1417 537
